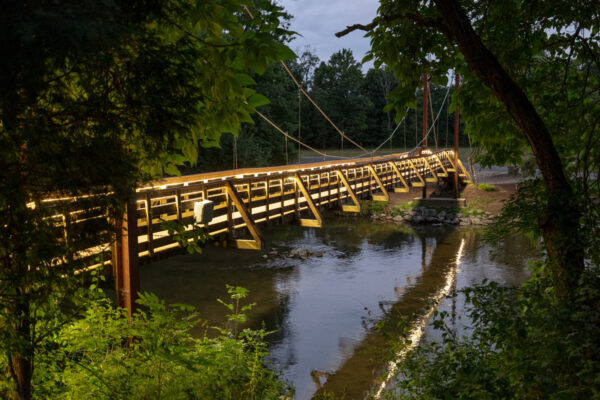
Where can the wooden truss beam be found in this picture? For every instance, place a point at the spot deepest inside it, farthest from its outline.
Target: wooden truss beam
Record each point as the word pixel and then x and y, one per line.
pixel 421 182
pixel 318 221
pixel 444 173
pixel 453 169
pixel 256 243
pixel 435 178
pixel 463 171
pixel 348 207
pixel 379 197
pixel 405 188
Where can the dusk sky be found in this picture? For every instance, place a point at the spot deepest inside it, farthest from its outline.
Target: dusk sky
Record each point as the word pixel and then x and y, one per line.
pixel 318 20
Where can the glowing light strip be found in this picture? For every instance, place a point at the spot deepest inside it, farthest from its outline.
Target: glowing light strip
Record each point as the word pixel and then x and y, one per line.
pixel 417 332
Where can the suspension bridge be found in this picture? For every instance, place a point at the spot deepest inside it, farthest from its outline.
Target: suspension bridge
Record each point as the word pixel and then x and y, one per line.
pixel 244 199
pixel 235 203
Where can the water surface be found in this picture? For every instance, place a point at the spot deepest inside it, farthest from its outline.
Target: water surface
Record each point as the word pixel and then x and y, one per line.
pixel 324 309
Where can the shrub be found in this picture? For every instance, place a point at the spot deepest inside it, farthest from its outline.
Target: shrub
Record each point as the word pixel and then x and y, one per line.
pixel 374 207
pixel 153 355
pixel 523 343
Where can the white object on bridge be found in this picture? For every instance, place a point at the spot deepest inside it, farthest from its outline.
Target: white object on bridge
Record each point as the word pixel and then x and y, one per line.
pixel 203 211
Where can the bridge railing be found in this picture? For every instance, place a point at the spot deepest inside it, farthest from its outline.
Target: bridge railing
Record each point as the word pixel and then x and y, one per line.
pixel 244 199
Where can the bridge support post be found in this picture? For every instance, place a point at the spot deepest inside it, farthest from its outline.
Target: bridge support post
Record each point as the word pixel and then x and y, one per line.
pixel 318 221
pixel 257 242
pixel 421 182
pixel 404 189
pixel 125 259
pixel 435 178
pixel 378 197
pixel 346 207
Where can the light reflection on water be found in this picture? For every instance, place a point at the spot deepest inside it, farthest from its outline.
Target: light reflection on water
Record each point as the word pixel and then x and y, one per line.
pixel 324 308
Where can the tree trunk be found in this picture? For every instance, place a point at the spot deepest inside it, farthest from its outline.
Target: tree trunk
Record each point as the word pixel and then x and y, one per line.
pixel 21 370
pixel 21 361
pixel 560 223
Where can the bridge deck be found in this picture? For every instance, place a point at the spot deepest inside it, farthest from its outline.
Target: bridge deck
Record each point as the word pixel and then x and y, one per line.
pixel 248 197
pixel 245 198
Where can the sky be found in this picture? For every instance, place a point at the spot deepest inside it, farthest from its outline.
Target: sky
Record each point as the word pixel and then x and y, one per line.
pixel 318 20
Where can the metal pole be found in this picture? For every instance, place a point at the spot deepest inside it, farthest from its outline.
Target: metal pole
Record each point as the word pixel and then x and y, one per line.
pixel 456 125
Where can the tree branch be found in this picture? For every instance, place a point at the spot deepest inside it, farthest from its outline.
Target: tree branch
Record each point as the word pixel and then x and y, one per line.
pixel 566 260
pixel 418 19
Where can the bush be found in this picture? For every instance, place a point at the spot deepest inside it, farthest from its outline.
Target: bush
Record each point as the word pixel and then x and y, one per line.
pixel 153 355
pixel 374 207
pixel 523 343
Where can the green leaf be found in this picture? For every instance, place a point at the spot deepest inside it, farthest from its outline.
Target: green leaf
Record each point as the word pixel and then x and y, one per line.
pixel 171 169
pixel 257 100
pixel 245 80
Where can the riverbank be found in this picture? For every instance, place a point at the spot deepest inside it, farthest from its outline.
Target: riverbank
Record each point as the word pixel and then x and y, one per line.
pixel 482 205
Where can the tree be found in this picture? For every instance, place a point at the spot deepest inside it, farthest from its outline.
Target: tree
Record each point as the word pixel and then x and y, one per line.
pixel 336 88
pixel 526 66
pixel 94 98
pixel 376 86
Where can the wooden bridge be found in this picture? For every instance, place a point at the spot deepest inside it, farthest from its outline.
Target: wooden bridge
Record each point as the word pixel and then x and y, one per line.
pixel 243 199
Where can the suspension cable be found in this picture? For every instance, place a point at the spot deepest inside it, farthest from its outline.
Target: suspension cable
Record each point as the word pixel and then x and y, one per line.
pixel 319 108
pixel 310 99
pixel 293 138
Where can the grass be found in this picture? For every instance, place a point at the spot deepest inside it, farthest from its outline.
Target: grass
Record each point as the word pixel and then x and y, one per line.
pixel 475 208
pixel 403 208
pixel 372 207
pixel 486 188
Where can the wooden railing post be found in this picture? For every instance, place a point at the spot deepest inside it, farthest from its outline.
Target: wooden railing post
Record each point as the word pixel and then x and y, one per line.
pixel 125 259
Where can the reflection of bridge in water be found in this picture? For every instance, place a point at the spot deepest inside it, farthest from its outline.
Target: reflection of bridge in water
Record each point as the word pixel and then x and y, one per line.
pixel 365 366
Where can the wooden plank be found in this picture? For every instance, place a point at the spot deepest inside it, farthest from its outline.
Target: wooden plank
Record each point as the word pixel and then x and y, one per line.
pixel 282 195
pixel 453 169
pixel 149 223
pixel 465 174
pixel 444 173
pixel 267 196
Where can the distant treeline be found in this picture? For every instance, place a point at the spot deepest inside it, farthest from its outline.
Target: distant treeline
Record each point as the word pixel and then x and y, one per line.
pixel 354 101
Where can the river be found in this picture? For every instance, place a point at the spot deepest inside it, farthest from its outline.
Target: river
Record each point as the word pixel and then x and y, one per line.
pixel 324 309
